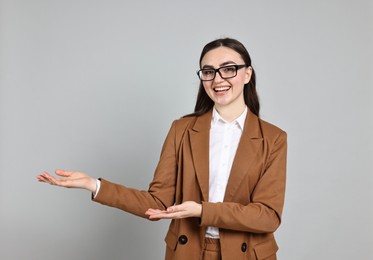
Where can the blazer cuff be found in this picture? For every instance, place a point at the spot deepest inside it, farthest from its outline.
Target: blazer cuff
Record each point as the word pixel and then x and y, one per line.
pixel 98 186
pixel 208 218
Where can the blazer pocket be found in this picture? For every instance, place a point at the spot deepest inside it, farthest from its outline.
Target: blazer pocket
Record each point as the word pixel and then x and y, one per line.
pixel 171 240
pixel 266 249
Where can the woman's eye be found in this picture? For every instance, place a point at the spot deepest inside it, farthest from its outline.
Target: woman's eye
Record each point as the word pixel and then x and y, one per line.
pixel 207 72
pixel 229 69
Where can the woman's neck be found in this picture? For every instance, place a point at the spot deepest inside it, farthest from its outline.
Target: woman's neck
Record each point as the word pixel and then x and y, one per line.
pixel 230 113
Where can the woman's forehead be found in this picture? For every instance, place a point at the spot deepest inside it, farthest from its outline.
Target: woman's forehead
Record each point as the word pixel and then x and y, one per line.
pixel 221 55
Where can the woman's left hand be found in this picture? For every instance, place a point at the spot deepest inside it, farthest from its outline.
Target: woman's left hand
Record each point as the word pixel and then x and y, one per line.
pixel 185 210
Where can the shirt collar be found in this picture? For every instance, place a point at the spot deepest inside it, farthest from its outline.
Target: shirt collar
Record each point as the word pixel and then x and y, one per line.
pixel 239 120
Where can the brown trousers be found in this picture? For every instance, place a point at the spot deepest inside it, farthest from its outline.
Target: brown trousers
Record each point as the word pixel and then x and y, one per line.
pixel 211 250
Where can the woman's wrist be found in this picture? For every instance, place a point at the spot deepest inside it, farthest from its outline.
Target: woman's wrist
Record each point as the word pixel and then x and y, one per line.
pixel 92 185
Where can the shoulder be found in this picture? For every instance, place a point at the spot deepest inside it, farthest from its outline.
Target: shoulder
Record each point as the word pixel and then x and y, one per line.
pixel 256 127
pixel 259 128
pixel 197 122
pixel 178 130
pixel 271 133
pixel 185 122
pixel 269 128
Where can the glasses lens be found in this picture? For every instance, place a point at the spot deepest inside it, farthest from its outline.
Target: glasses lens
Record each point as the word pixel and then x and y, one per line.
pixel 228 71
pixel 206 74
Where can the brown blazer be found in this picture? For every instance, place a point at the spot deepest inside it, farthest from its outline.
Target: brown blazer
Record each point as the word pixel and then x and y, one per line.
pixel 253 200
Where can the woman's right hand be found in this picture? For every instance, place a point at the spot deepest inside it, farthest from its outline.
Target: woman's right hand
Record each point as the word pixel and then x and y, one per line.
pixel 69 180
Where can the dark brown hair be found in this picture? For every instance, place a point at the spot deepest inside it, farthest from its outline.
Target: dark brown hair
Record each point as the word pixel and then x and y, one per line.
pixel 204 103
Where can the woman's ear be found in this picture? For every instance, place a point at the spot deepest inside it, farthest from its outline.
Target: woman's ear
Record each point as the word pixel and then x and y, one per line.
pixel 248 72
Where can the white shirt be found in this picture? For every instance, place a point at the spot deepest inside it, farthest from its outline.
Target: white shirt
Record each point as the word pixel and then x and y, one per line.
pixel 224 139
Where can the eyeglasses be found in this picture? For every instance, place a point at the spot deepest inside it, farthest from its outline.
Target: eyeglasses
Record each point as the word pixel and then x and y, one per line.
pixel 225 72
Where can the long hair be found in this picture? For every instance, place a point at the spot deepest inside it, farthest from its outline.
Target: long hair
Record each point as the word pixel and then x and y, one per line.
pixel 204 102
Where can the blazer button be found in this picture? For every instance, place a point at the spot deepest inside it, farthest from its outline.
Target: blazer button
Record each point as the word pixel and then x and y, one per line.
pixel 244 247
pixel 183 239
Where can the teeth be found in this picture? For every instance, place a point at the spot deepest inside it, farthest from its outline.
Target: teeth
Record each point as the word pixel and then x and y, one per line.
pixel 221 88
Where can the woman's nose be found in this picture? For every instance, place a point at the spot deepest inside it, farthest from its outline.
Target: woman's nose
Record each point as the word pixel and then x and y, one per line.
pixel 218 78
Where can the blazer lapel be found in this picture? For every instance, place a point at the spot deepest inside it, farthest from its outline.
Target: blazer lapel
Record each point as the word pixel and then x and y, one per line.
pixel 199 136
pixel 246 155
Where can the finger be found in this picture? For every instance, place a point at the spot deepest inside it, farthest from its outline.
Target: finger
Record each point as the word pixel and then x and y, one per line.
pixel 44 174
pixel 54 181
pixel 149 212
pixel 159 216
pixel 176 208
pixel 154 211
pixel 63 173
pixel 45 179
pixel 49 178
pixel 165 215
pixel 42 178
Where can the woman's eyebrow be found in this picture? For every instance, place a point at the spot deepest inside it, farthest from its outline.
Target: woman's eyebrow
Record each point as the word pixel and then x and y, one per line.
pixel 227 63
pixel 221 65
pixel 207 67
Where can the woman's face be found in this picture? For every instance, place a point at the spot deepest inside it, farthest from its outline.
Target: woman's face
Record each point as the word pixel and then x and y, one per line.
pixel 226 93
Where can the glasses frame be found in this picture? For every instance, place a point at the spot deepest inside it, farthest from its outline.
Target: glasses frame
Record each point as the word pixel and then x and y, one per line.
pixel 218 71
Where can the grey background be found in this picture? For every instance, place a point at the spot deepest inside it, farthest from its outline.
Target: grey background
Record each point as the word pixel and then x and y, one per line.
pixel 94 86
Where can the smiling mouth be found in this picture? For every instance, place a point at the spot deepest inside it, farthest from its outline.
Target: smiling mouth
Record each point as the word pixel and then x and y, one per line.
pixel 221 89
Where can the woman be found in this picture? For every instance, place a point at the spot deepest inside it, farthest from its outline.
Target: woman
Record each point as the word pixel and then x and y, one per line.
pixel 221 174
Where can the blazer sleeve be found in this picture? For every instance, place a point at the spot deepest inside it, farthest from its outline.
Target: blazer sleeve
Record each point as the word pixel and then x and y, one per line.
pixel 161 192
pixel 263 213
